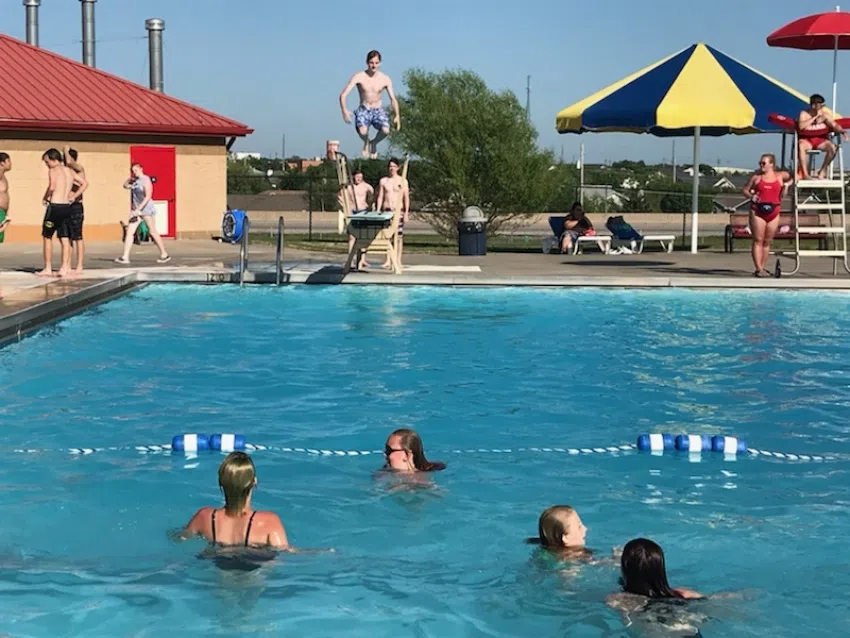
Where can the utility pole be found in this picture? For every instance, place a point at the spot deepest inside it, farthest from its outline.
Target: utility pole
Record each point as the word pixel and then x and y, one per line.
pixel 283 147
pixel 562 153
pixel 674 160
pixel 581 176
pixel 528 97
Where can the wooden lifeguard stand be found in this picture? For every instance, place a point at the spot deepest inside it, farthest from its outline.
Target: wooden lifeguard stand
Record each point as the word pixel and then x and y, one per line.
pixel 373 231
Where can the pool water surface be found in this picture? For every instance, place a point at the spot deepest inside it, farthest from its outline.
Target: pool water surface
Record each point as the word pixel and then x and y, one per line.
pixel 490 378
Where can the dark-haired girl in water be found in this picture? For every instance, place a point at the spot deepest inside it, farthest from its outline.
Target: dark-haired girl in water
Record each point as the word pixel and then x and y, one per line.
pixel 644 583
pixel 404 453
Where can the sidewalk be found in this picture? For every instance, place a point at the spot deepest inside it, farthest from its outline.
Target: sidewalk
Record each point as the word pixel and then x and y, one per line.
pixel 196 254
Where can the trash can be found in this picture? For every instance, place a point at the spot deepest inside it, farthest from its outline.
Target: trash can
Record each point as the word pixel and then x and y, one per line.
pixel 472 232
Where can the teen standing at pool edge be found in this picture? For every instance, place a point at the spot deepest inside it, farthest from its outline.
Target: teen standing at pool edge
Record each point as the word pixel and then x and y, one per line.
pixel 141 189
pixel 75 221
pixel 5 167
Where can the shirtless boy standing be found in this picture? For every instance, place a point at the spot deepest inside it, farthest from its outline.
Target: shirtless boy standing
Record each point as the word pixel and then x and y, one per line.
pixel 371 83
pixel 75 223
pixel 5 167
pixel 363 193
pixel 393 193
pixel 57 199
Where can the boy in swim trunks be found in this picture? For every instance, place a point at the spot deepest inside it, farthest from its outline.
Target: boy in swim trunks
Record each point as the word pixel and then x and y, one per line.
pixel 5 167
pixel 393 193
pixel 75 222
pixel 816 117
pixel 362 192
pixel 57 200
pixel 371 83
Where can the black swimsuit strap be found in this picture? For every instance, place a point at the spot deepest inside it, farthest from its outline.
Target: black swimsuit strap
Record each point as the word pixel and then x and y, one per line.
pixel 248 531
pixel 213 526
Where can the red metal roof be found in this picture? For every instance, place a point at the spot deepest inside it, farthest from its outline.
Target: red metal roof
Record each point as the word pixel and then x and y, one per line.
pixel 98 102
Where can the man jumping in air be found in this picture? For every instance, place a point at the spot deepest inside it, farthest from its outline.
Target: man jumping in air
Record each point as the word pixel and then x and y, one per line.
pixel 371 83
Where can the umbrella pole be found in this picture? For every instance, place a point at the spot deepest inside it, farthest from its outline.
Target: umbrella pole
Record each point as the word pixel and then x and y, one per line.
pixel 835 79
pixel 782 163
pixel 695 194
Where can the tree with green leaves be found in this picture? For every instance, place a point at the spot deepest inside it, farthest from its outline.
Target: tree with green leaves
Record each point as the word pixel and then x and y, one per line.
pixel 475 147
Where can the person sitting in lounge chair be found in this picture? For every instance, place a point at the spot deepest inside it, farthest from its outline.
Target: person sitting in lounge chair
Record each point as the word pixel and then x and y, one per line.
pixel 576 224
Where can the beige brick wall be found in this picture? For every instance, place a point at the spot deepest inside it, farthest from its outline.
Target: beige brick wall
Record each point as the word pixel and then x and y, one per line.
pixel 201 190
pixel 201 168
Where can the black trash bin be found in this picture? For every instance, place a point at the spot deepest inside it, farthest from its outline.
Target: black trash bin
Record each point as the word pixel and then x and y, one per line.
pixel 472 233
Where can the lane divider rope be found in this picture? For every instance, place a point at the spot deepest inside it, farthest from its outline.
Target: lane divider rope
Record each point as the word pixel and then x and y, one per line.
pixel 167 448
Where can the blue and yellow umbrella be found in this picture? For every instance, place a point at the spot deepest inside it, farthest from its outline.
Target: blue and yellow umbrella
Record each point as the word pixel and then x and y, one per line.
pixel 697 91
pixel 696 87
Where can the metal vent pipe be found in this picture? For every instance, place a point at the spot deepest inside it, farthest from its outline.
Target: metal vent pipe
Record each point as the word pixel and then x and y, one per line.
pixel 32 21
pixel 155 27
pixel 88 32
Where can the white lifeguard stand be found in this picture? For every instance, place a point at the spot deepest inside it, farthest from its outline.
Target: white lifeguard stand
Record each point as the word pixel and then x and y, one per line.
pixel 373 231
pixel 816 196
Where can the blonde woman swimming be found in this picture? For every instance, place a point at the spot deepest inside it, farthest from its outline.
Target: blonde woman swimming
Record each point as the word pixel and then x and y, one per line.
pixel 237 524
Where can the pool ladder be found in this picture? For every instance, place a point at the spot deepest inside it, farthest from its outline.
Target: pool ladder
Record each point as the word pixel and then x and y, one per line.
pixel 243 251
pixel 278 262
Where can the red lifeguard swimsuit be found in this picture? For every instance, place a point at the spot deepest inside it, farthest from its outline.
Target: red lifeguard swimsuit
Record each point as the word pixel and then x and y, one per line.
pixel 769 193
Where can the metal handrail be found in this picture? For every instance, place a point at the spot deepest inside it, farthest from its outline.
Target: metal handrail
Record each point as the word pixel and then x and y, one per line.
pixel 279 254
pixel 243 250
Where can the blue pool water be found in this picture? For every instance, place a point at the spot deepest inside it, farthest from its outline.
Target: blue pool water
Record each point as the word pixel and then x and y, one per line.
pixel 85 549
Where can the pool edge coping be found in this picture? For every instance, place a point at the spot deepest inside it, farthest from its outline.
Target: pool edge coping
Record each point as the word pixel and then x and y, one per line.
pixel 17 325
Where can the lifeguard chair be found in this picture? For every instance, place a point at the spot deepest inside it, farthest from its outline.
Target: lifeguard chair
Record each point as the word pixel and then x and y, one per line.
pixel 373 231
pixel 815 196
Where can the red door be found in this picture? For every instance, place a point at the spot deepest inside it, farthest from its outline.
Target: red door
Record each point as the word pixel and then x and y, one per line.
pixel 159 163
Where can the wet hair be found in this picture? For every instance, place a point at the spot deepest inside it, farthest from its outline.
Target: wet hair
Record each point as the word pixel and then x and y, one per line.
pixel 73 154
pixel 412 442
pixel 357 171
pixel 236 476
pixel 816 98
pixel 373 54
pixel 52 154
pixel 553 523
pixel 393 160
pixel 644 571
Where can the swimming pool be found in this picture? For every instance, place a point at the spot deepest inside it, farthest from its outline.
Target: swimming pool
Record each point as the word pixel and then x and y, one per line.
pixel 85 549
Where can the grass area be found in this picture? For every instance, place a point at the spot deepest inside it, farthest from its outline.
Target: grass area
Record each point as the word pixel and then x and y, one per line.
pixel 432 244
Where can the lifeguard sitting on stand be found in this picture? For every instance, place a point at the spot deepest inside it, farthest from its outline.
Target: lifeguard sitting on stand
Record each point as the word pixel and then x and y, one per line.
pixel 814 126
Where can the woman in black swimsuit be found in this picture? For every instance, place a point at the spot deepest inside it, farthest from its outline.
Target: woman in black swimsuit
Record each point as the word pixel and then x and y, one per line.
pixel 236 524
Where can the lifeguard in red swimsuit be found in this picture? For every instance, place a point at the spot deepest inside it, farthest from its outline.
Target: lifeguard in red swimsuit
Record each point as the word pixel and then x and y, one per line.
pixel 814 127
pixel 766 188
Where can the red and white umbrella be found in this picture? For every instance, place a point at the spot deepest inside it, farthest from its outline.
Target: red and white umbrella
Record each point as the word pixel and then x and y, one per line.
pixel 819 32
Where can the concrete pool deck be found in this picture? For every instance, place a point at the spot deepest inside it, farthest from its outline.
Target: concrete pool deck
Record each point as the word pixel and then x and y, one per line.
pixel 29 301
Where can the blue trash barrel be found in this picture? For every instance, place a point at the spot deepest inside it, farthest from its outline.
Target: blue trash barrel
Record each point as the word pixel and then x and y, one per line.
pixel 233 225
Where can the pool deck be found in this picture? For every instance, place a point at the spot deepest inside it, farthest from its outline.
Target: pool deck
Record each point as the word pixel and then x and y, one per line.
pixel 29 301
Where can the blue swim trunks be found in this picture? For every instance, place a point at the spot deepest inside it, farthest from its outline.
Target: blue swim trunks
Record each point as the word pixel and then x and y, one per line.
pixel 371 117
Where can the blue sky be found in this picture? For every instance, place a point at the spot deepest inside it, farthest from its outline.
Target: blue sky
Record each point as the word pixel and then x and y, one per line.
pixel 279 65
